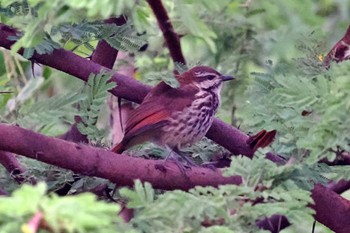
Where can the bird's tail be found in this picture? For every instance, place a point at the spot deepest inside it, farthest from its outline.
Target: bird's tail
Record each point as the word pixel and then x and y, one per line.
pixel 119 148
pixel 261 139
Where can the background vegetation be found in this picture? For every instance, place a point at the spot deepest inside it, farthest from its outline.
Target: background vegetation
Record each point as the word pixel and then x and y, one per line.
pixel 275 48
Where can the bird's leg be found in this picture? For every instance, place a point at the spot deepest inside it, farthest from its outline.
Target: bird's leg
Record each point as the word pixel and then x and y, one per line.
pixel 185 157
pixel 181 159
pixel 177 162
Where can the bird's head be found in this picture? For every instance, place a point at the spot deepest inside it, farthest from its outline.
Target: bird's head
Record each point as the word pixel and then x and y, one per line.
pixel 204 77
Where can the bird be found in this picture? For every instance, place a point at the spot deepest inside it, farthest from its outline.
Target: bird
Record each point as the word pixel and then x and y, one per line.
pixel 175 118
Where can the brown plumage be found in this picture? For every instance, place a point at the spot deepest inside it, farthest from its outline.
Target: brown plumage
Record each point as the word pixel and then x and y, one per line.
pixel 176 117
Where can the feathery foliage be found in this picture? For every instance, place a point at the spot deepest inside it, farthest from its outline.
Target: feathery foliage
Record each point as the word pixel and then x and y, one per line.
pixel 43 35
pixel 96 91
pixel 80 213
pixel 308 111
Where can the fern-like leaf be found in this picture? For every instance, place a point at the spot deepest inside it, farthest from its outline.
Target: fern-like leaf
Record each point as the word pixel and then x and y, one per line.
pixel 96 91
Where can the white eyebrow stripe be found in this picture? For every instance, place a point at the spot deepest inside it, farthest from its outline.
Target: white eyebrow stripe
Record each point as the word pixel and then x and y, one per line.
pixel 203 74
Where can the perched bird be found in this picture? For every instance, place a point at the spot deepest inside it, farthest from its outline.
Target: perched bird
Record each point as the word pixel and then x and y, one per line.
pixel 176 117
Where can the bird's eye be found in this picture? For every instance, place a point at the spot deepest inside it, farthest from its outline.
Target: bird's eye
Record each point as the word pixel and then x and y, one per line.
pixel 211 77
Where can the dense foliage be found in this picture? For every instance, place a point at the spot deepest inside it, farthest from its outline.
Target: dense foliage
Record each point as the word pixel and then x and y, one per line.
pixel 274 47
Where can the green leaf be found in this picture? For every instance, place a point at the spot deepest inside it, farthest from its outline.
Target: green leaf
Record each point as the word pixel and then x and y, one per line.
pixel 96 91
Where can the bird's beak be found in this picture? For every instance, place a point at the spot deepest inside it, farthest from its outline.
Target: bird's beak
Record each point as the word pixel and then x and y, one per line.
pixel 226 77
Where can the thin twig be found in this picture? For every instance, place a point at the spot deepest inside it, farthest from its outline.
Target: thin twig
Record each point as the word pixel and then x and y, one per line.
pixel 171 37
pixel 13 166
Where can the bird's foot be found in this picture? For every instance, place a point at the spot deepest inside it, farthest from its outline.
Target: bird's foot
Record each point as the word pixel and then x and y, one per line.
pixel 210 165
pixel 186 158
pixel 182 163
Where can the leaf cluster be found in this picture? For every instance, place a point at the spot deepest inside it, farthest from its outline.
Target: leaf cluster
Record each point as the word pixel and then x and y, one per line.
pixel 306 104
pixel 46 26
pixel 96 90
pixel 80 213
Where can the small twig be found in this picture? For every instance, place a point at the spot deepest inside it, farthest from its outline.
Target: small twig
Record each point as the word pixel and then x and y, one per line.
pixel 340 186
pixel 16 170
pixel 21 72
pixel 274 223
pixel 171 37
pixel 313 226
pixel 33 225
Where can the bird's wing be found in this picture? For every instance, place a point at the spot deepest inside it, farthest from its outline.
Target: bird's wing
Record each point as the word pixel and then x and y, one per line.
pixel 158 106
pixel 154 111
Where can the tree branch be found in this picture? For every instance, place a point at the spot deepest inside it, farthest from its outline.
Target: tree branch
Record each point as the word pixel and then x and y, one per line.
pixel 16 170
pixel 127 88
pixel 105 54
pixel 120 169
pixel 171 38
pixel 332 210
pixel 340 186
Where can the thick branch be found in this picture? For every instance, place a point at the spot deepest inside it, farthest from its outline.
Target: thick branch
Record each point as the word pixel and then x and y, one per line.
pixel 171 38
pixel 332 210
pixel 127 88
pixel 120 169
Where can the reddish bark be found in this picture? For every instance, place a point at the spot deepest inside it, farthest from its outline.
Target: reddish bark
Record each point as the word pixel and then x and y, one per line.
pixel 120 169
pixel 340 51
pixel 332 210
pixel 13 166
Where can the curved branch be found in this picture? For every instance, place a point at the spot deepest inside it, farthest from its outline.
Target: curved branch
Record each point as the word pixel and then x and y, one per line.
pixel 171 38
pixel 120 169
pixel 127 88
